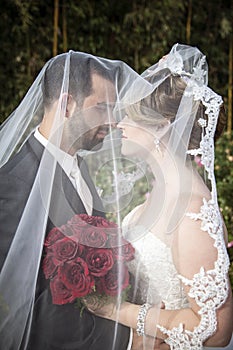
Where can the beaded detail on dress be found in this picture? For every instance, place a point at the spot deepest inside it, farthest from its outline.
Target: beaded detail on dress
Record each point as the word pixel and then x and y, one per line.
pixel 155 272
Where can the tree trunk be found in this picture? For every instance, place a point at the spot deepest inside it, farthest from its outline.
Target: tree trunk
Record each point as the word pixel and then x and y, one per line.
pixel 188 23
pixel 136 51
pixel 64 26
pixel 229 118
pixel 29 73
pixel 55 26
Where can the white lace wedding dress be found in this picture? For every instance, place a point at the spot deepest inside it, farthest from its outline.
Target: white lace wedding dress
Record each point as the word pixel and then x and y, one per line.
pixel 154 271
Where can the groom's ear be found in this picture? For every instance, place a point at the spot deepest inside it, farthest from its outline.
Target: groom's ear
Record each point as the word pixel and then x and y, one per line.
pixel 69 104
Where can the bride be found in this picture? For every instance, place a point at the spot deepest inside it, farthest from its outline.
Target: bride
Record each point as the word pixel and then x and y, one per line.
pixel 182 293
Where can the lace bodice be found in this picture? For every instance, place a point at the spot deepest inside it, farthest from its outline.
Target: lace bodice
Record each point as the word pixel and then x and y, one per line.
pixel 155 272
pixel 158 279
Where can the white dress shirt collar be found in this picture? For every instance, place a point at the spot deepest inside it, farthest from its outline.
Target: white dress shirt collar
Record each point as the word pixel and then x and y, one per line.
pixel 65 160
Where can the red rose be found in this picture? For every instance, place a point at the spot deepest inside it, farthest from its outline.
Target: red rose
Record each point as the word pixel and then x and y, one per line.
pixel 60 293
pixel 75 276
pixel 109 227
pixel 78 259
pixel 63 250
pixel 78 220
pixel 99 221
pixel 124 252
pixel 93 237
pixel 116 278
pixel 48 266
pixel 76 224
pixel 99 261
pixel 54 235
pixel 81 248
pixel 67 230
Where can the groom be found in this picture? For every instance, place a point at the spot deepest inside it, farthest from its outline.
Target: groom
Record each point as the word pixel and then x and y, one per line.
pixel 60 327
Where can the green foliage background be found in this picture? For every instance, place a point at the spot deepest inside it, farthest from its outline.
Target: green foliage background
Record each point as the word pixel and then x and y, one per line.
pixel 138 32
pixel 224 179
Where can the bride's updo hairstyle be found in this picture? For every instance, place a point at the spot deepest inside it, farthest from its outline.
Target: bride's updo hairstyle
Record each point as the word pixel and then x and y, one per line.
pixel 161 106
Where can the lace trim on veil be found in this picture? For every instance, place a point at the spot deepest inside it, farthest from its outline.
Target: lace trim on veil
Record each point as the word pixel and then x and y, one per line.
pixel 208 288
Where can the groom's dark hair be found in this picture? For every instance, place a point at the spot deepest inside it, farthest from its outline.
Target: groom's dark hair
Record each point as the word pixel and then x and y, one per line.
pixel 82 66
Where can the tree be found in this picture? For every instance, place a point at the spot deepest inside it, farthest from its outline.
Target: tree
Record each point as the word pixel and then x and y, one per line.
pixel 55 26
pixel 137 32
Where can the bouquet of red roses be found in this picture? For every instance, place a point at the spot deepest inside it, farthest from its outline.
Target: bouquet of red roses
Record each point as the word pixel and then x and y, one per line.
pixel 85 257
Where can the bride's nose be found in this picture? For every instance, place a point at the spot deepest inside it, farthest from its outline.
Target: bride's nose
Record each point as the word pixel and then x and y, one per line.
pixel 121 124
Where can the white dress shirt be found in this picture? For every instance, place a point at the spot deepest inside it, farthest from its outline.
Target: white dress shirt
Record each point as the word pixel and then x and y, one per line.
pixel 70 166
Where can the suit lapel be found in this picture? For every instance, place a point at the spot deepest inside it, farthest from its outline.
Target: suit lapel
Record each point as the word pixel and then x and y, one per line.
pixel 98 209
pixel 65 201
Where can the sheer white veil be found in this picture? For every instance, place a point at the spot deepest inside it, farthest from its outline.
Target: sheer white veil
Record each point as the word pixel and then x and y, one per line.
pixel 31 191
pixel 180 111
pixel 171 102
pixel 183 115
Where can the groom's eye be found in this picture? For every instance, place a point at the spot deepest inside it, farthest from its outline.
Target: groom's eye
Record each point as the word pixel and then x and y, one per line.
pixel 105 106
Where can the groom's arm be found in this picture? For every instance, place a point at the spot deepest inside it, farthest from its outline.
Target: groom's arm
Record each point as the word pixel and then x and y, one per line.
pixel 13 196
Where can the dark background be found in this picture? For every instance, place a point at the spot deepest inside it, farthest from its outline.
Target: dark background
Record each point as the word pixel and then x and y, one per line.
pixel 137 32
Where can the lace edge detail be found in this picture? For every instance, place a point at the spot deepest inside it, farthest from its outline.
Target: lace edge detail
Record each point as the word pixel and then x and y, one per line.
pixel 208 288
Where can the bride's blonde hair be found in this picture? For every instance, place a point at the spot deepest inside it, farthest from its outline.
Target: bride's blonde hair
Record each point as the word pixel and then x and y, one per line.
pixel 161 106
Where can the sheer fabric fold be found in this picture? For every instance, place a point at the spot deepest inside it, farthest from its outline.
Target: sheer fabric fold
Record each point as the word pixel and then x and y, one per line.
pixel 71 103
pixel 182 115
pixel 146 186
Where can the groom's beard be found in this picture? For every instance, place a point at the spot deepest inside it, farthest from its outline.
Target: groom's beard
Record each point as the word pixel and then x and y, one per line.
pixel 93 139
pixel 78 135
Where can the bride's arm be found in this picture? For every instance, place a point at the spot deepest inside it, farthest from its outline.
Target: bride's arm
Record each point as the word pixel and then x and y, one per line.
pixel 192 249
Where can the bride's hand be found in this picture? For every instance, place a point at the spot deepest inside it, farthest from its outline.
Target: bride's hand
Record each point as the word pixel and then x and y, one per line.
pixel 101 308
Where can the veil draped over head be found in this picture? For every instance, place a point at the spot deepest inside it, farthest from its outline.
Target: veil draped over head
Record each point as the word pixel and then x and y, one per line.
pixel 69 107
pixel 72 106
pixel 177 119
pixel 180 100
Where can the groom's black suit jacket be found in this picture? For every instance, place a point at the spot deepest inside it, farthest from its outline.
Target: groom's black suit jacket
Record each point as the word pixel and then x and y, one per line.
pixel 54 327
